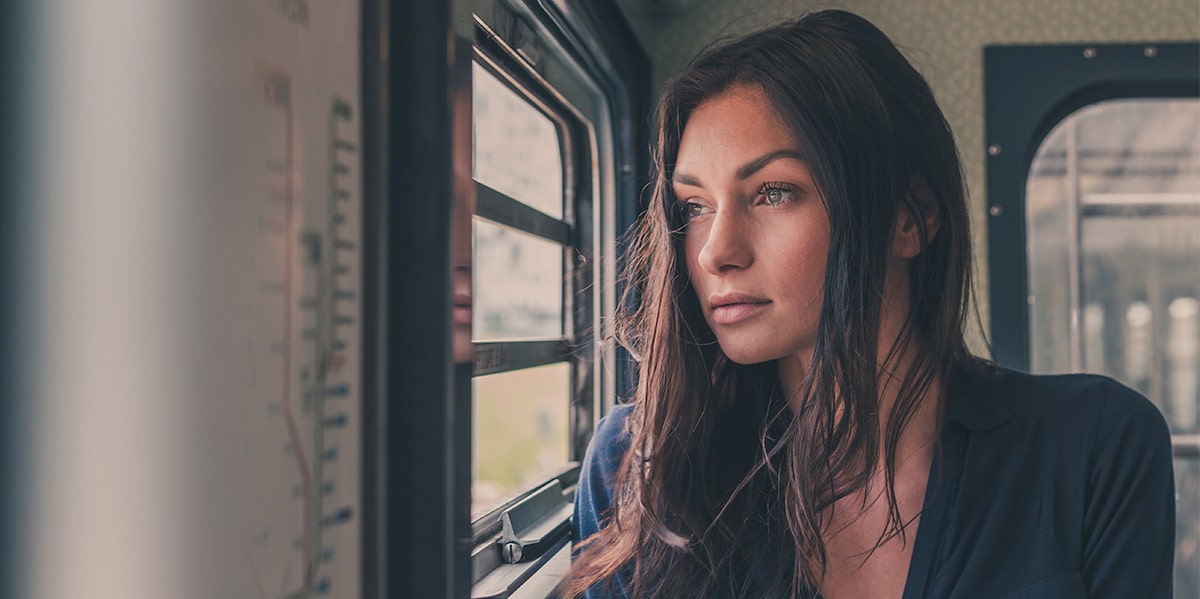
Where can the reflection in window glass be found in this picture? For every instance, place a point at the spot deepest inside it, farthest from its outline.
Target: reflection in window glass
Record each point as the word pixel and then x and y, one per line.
pixel 517 150
pixel 520 436
pixel 518 285
pixel 1113 207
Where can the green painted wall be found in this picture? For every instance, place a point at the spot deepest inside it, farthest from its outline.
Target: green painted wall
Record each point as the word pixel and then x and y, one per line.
pixel 943 38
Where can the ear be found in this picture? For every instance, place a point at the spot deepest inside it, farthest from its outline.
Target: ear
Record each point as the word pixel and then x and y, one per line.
pixel 917 220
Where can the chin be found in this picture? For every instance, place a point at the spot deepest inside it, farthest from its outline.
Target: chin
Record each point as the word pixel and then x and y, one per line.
pixel 460 343
pixel 747 355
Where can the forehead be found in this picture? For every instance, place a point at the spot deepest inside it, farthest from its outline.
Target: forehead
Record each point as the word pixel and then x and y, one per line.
pixel 738 122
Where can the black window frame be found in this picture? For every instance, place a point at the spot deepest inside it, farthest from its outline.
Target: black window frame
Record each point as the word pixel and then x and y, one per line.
pixel 494 54
pixel 507 44
pixel 1027 91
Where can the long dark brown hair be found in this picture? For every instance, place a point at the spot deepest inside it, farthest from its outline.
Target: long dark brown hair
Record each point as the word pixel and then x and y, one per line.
pixel 724 481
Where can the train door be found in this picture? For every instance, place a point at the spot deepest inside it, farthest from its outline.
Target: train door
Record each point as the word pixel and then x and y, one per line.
pixel 1094 231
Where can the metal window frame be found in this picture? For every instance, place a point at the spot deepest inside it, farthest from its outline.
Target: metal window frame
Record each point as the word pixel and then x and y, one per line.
pixel 515 63
pixel 502 209
pixel 506 62
pixel 598 38
pixel 1027 91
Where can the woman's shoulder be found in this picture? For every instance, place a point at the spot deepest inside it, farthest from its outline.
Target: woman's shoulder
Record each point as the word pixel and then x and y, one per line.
pixel 1083 398
pixel 1076 415
pixel 612 434
pixel 598 474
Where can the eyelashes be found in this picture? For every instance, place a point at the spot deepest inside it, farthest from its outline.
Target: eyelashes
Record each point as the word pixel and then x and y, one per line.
pixel 770 194
pixel 776 193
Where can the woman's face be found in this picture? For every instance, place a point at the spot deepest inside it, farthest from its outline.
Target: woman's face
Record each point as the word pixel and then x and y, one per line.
pixel 757 232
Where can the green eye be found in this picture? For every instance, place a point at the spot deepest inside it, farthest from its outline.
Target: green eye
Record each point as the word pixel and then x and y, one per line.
pixel 774 194
pixel 690 210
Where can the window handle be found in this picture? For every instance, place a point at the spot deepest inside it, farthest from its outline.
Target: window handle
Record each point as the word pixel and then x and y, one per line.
pixel 535 524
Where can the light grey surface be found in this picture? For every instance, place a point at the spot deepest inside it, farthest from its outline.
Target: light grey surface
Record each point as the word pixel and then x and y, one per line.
pixel 542 584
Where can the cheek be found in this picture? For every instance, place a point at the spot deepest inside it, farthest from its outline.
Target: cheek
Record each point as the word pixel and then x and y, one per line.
pixel 806 260
pixel 692 245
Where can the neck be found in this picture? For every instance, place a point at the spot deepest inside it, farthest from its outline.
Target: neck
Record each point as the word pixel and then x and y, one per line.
pixel 893 365
pixel 921 430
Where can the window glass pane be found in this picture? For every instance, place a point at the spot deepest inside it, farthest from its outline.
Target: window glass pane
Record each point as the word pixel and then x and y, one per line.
pixel 517 150
pixel 518 285
pixel 1141 281
pixel 520 436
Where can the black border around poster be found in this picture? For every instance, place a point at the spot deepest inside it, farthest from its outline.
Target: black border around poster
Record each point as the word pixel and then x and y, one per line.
pixel 414 502
pixel 1027 91
pixel 15 207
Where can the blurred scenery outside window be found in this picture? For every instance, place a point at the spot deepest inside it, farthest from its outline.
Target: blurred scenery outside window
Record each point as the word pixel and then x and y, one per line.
pixel 520 421
pixel 517 150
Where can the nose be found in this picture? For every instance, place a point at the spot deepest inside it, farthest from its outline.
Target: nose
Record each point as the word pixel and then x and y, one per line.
pixel 728 244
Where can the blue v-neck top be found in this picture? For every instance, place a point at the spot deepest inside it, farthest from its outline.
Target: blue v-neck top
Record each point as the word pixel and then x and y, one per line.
pixel 1042 486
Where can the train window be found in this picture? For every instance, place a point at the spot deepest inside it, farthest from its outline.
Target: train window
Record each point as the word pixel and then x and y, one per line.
pixel 521 134
pixel 518 284
pixel 1093 156
pixel 520 431
pixel 552 88
pixel 516 147
pixel 1113 209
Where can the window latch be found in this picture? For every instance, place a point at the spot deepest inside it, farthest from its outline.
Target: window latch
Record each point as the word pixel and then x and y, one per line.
pixel 535 524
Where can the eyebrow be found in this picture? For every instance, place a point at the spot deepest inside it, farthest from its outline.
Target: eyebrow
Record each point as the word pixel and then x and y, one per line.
pixel 744 171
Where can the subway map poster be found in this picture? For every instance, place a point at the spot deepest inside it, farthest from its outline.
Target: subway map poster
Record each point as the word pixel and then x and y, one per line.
pixel 300 411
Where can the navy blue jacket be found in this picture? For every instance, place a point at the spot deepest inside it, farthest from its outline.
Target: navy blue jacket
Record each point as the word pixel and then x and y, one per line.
pixel 1051 486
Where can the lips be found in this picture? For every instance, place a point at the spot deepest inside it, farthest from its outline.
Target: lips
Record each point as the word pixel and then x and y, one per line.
pixel 461 304
pixel 732 308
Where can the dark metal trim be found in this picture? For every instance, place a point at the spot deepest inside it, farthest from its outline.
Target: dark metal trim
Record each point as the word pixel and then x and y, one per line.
pixel 1148 210
pixel 615 57
pixel 19 232
pixel 419 501
pixel 597 37
pixel 504 210
pixel 506 62
pixel 1028 90
pixel 487 526
pixel 373 26
pixel 505 356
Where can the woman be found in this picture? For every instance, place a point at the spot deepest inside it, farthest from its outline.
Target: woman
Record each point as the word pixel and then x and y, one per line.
pixel 808 419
